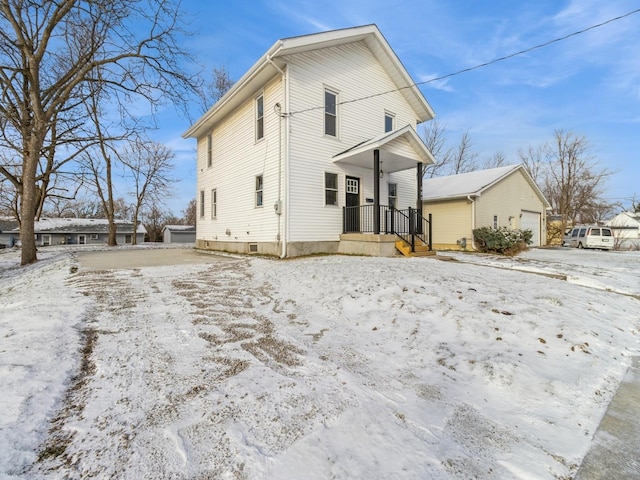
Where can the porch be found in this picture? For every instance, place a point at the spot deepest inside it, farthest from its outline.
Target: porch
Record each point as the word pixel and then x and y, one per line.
pixel 386 232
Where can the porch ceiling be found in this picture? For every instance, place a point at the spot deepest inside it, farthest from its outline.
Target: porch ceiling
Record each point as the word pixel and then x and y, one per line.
pixel 399 150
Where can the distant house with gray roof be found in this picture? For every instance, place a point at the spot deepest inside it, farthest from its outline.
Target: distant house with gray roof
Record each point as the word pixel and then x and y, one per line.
pixel 73 231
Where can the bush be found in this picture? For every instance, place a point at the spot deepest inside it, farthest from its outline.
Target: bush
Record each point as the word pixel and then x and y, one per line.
pixel 503 240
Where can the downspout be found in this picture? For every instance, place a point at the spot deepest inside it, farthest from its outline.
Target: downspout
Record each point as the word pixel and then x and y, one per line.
pixel 282 161
pixel 473 220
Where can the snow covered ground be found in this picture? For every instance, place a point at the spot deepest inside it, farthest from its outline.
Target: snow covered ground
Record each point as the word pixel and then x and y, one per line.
pixel 326 367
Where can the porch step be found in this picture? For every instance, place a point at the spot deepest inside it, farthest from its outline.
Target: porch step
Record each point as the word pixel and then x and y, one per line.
pixel 421 249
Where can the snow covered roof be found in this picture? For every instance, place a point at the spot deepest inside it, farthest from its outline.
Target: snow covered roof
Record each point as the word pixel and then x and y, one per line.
pixel 183 228
pixel 88 225
pixel 625 219
pixel 472 183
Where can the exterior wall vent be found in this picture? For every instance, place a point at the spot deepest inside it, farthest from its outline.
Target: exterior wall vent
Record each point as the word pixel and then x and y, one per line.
pixel 253 248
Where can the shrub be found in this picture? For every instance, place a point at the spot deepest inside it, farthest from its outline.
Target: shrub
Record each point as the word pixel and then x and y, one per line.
pixel 502 240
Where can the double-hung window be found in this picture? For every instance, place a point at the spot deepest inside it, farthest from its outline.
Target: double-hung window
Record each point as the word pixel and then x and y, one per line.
pixel 209 150
pixel 214 203
pixel 330 188
pixel 259 117
pixel 330 113
pixel 259 187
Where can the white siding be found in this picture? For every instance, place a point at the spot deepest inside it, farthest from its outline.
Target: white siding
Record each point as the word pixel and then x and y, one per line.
pixel 352 71
pixel 237 159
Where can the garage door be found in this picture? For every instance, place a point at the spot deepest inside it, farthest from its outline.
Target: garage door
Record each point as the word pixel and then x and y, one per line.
pixel 531 221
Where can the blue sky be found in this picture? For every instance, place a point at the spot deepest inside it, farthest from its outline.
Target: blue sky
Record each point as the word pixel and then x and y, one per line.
pixel 588 84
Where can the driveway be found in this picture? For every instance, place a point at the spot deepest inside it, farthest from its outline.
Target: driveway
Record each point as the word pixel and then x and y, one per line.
pixel 148 257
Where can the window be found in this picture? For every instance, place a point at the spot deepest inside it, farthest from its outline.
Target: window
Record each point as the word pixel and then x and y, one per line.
pixel 495 222
pixel 214 203
pixel 259 191
pixel 209 150
pixel 201 203
pixel 259 117
pixel 389 122
pixel 330 188
pixel 330 113
pixel 393 195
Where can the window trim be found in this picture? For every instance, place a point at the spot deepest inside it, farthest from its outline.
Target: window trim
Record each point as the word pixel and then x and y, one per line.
pixel 259 191
pixel 214 203
pixel 328 189
pixel 201 203
pixel 259 117
pixel 209 150
pixel 335 114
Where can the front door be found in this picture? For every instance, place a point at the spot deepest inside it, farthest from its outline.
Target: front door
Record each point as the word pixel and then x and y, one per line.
pixel 352 201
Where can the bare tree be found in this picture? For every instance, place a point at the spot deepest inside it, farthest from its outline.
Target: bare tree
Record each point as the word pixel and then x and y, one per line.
pixel 50 50
pixel 449 160
pixel 190 213
pixel 533 159
pixel 496 160
pixel 570 178
pixel 149 164
pixel 463 158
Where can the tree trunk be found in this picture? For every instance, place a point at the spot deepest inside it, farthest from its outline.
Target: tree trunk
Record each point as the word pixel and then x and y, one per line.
pixel 28 204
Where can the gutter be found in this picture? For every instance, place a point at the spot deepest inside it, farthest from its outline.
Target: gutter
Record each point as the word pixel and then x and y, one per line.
pixel 282 161
pixel 473 219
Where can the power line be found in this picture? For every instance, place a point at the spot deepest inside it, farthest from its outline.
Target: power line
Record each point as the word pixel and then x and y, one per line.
pixel 481 65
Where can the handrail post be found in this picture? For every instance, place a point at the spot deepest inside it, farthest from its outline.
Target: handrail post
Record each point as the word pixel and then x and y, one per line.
pixel 430 241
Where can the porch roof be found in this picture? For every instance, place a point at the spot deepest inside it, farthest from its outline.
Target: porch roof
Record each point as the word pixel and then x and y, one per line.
pixel 399 150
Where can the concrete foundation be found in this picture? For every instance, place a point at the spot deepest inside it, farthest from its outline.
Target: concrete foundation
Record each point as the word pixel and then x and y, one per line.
pixel 368 244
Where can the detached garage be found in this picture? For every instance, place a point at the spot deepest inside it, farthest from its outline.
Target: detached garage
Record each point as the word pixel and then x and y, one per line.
pixel 497 197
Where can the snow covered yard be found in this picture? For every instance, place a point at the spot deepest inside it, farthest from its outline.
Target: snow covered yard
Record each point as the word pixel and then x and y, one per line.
pixel 326 367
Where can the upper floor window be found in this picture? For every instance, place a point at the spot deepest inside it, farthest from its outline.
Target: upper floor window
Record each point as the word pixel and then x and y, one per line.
pixel 330 188
pixel 259 187
pixel 209 150
pixel 259 117
pixel 389 122
pixel 330 113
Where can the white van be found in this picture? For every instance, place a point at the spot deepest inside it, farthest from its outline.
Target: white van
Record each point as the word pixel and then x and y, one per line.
pixel 590 236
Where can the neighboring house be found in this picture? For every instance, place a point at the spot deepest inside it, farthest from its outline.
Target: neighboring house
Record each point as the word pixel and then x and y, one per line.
pixel 179 234
pixel 310 147
pixel 78 231
pixel 497 197
pixel 626 229
pixel 9 234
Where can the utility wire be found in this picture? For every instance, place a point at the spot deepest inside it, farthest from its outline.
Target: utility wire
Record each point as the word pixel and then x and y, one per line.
pixel 481 65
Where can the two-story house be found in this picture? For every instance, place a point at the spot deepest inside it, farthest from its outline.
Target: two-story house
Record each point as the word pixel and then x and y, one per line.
pixel 314 149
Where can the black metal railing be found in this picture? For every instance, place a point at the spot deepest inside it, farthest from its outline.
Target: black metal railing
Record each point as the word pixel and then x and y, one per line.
pixel 407 224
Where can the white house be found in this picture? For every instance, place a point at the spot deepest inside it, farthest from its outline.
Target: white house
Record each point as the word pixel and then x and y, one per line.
pixel 310 148
pixel 626 229
pixel 496 197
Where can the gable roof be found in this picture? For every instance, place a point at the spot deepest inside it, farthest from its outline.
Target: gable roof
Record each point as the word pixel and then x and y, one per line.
pixel 399 150
pixel 625 219
pixel 273 61
pixel 473 184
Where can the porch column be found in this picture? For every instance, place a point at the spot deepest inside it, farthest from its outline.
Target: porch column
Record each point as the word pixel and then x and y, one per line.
pixel 419 199
pixel 376 191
